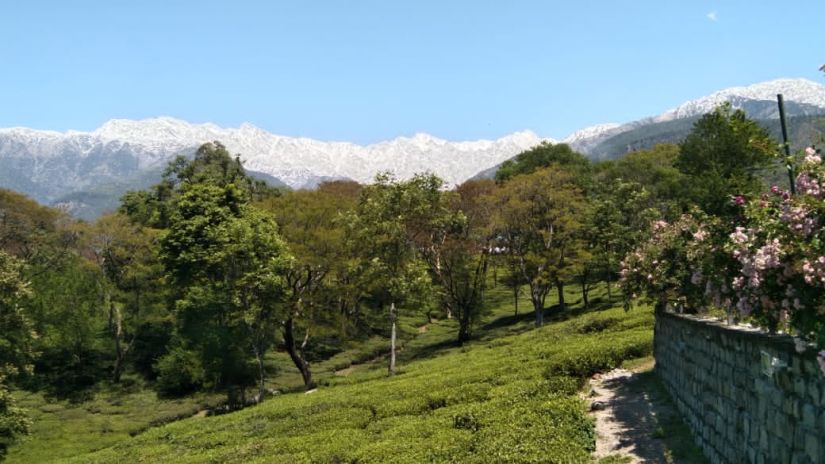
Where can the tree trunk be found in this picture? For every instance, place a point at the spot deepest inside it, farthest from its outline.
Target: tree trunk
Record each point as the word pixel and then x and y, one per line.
pixel 660 306
pixel 259 358
pixel 464 325
pixel 516 292
pixel 116 329
pixel 296 354
pixel 609 292
pixel 560 289
pixel 538 306
pixel 393 317
pixel 585 293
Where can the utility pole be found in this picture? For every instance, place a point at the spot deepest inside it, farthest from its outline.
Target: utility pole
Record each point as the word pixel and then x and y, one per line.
pixel 785 143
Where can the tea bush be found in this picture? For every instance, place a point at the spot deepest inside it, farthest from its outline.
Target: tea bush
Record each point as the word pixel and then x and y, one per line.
pixel 514 399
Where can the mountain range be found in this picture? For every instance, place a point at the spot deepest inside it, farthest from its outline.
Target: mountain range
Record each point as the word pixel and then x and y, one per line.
pixel 87 172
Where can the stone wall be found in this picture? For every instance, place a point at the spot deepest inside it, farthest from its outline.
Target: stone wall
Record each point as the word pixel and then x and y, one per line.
pixel 747 396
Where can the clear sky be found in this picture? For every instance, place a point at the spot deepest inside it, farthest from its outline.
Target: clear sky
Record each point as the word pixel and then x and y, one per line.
pixel 365 71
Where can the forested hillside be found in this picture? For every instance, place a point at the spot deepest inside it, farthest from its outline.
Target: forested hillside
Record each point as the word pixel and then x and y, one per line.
pixel 212 293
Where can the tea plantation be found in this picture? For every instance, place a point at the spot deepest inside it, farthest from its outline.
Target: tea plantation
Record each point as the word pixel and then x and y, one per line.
pixel 513 398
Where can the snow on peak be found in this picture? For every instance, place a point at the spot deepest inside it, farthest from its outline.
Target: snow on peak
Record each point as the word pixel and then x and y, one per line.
pixel 156 132
pixel 591 132
pixel 801 91
pixel 298 162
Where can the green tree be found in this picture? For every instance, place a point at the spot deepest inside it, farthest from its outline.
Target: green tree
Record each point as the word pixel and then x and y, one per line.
pixel 618 220
pixel 722 157
pixel 653 169
pixel 457 249
pixel 227 261
pixel 537 219
pixel 132 288
pixel 541 156
pixel 212 164
pixel 16 347
pixel 67 312
pixel 309 223
pixel 390 219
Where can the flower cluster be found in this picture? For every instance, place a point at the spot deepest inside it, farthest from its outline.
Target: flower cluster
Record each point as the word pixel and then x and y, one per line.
pixel 769 268
pixel 680 265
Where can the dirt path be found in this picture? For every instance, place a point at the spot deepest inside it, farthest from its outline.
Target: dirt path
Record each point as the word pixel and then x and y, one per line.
pixel 636 422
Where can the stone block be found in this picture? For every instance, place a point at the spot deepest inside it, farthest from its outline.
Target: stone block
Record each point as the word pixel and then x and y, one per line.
pixel 783 428
pixel 799 385
pixel 812 448
pixel 809 416
pixel 813 391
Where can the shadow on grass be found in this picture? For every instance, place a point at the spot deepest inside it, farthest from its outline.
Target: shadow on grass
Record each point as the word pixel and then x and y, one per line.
pixel 427 351
pixel 554 313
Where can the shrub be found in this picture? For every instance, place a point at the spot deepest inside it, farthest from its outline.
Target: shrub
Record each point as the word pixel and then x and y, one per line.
pixel 179 372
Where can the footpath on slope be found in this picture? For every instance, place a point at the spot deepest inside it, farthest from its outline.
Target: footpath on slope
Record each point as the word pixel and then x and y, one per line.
pixel 636 422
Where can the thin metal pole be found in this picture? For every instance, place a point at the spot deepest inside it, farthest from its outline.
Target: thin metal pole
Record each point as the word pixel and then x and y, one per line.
pixel 785 143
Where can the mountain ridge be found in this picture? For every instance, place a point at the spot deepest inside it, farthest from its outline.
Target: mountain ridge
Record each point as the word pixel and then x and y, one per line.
pixel 53 166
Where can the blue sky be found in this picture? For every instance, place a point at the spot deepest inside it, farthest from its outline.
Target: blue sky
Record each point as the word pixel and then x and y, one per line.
pixel 366 71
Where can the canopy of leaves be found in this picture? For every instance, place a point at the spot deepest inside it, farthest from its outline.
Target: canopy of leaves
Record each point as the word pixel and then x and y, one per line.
pixel 212 164
pixel 722 157
pixel 541 156
pixel 227 260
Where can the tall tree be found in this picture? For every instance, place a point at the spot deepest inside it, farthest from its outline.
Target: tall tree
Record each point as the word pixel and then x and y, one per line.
pixel 309 223
pixel 16 353
pixel 227 260
pixel 131 291
pixel 457 249
pixel 541 156
pixel 390 219
pixel 721 158
pixel 212 164
pixel 537 219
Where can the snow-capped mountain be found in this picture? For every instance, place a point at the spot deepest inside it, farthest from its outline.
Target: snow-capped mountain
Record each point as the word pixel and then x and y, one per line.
pixel 48 165
pixel 759 100
pixel 800 91
pixel 583 139
pixel 88 171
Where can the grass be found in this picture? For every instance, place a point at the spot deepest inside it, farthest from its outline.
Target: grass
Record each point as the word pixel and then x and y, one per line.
pixel 62 428
pixel 510 395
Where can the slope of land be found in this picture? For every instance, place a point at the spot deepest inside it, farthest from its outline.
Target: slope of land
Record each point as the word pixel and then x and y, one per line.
pixel 509 399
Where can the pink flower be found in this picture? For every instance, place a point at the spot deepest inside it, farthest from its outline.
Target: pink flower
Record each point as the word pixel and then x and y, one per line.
pixel 738 236
pixel 739 200
pixel 811 156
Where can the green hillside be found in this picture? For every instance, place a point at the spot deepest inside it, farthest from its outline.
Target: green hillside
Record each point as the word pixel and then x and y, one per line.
pixel 804 131
pixel 513 398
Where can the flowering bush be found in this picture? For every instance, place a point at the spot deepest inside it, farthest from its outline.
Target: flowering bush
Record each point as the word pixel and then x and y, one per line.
pixel 769 267
pixel 681 265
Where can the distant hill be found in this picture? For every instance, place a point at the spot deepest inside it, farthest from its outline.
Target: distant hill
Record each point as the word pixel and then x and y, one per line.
pixel 804 105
